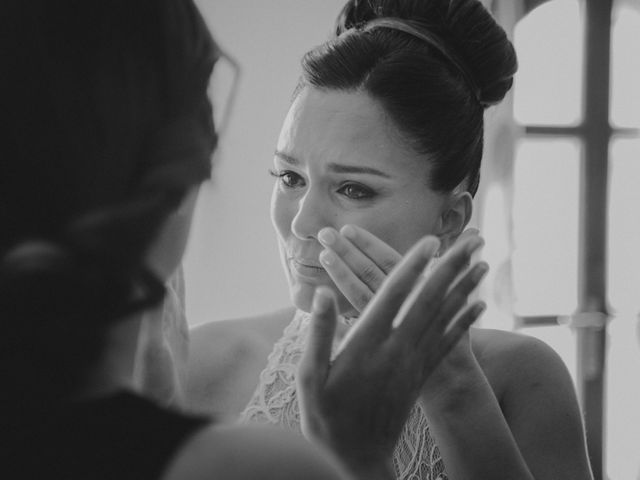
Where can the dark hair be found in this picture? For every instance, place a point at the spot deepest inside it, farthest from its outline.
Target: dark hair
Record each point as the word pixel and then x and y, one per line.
pixel 435 83
pixel 106 125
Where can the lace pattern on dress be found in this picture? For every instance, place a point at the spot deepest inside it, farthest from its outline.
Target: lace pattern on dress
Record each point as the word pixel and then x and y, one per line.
pixel 416 456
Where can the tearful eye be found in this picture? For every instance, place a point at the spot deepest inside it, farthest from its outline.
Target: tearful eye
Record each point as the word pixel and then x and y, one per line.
pixel 356 192
pixel 288 178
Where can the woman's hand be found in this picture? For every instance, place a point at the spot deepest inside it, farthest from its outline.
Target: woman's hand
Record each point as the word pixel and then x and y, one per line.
pixel 163 347
pixel 358 262
pixel 357 405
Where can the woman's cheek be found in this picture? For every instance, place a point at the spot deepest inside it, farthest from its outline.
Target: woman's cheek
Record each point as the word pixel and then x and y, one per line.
pixel 280 214
pixel 401 236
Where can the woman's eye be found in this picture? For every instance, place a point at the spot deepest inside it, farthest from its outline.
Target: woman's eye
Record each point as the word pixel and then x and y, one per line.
pixel 356 192
pixel 288 178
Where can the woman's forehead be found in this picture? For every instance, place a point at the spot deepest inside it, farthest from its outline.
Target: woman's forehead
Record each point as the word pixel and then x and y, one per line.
pixel 338 126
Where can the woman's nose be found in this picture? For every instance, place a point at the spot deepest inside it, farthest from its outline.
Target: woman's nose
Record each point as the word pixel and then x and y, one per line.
pixel 312 215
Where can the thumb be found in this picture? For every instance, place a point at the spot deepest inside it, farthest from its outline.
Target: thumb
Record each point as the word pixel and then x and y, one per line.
pixel 314 365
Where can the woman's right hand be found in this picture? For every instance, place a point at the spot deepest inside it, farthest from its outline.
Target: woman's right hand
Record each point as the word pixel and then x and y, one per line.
pixel 358 262
pixel 357 405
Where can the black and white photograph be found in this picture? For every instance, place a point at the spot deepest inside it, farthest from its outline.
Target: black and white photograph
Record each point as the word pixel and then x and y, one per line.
pixel 320 239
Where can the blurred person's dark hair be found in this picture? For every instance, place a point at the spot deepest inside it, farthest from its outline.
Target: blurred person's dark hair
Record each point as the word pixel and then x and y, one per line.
pixel 106 127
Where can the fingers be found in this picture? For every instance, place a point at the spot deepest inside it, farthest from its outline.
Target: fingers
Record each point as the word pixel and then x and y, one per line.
pixel 351 286
pixel 420 312
pixel 452 335
pixel 357 261
pixel 461 324
pixel 455 301
pixel 384 256
pixel 314 365
pixel 468 233
pixel 378 317
pixel 455 261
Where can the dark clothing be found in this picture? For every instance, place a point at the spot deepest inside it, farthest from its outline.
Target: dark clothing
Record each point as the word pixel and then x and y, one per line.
pixel 120 437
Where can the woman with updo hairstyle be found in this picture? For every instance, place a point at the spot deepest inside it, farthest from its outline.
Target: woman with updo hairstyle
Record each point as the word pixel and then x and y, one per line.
pixel 107 135
pixel 382 145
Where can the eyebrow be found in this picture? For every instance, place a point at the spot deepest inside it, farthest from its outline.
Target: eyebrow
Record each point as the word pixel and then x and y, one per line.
pixel 335 167
pixel 287 158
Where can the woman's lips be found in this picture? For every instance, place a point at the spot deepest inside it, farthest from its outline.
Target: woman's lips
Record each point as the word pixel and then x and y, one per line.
pixel 306 269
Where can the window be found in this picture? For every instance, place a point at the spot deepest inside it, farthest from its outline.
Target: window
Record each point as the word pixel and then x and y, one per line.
pixel 531 208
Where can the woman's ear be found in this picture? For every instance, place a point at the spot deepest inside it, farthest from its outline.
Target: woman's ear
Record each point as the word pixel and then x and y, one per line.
pixel 454 218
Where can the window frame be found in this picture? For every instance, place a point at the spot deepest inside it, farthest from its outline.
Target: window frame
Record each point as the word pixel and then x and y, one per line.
pixel 595 134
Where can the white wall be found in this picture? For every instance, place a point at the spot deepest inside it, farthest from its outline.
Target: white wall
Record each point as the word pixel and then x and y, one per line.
pixel 232 266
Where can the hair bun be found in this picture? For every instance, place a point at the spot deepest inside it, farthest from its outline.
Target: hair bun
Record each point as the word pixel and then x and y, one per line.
pixel 464 25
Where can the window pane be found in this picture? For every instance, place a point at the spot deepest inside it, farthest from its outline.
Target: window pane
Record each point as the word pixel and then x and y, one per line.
pixel 624 226
pixel 625 66
pixel 623 391
pixel 545 213
pixel 548 85
pixel 496 289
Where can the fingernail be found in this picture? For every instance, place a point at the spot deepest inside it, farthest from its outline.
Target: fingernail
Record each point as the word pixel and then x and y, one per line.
pixel 479 309
pixel 474 244
pixel 348 231
pixel 326 236
pixel 431 246
pixel 327 257
pixel 321 299
pixel 480 271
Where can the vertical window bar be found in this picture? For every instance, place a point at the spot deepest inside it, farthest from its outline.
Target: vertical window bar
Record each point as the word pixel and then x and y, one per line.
pixel 591 336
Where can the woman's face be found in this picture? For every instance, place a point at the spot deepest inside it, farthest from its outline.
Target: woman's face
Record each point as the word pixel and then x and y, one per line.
pixel 338 161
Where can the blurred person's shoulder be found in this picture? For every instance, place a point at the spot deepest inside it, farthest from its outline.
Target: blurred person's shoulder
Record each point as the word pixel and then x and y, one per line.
pixel 250 452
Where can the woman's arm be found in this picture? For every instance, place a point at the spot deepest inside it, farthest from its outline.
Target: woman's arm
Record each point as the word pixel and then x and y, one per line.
pixel 541 408
pixel 533 431
pixel 357 404
pixel 466 421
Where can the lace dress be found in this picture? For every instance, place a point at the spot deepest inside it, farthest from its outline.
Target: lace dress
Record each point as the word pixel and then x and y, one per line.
pixel 416 456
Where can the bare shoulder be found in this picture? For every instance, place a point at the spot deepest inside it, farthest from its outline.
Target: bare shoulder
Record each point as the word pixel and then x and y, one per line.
pixel 231 333
pixel 538 399
pixel 249 453
pixel 516 361
pixel 226 357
